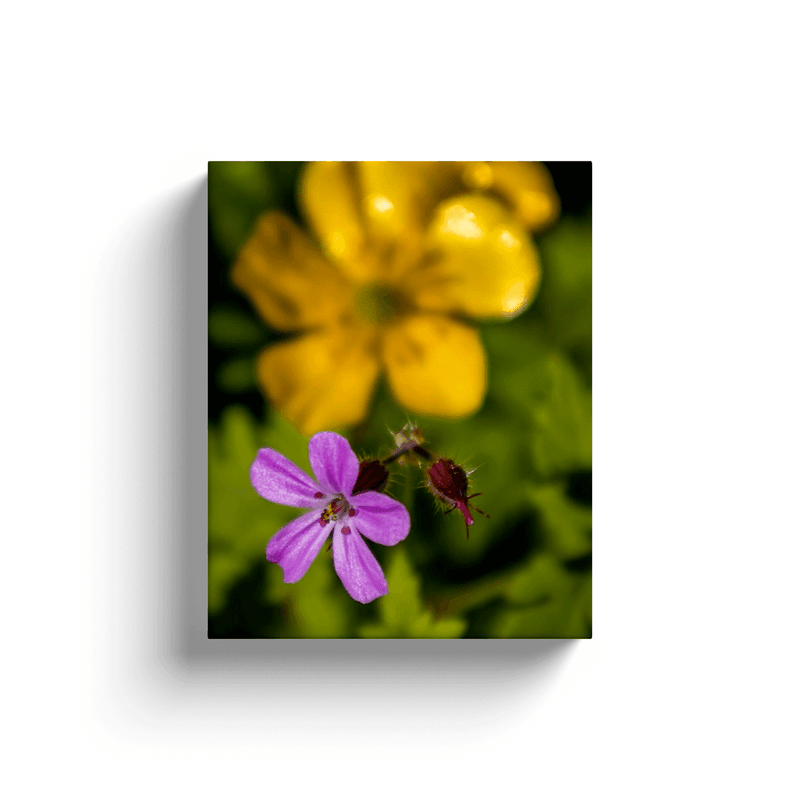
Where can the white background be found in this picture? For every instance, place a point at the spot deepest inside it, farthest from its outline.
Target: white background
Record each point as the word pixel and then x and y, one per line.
pixel 689 687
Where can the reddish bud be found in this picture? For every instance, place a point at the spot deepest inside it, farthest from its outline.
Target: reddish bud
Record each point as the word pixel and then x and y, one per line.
pixel 372 477
pixel 450 484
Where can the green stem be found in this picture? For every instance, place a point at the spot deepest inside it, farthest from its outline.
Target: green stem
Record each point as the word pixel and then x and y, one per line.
pixel 408 493
pixel 467 597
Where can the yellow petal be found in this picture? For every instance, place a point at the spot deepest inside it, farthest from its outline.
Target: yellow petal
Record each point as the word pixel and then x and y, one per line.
pixel 286 277
pixel 435 365
pixel 323 379
pixel 480 263
pixel 331 199
pixel 526 186
pixel 399 196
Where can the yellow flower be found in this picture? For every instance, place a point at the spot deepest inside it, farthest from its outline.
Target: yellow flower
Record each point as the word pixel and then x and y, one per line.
pixel 406 251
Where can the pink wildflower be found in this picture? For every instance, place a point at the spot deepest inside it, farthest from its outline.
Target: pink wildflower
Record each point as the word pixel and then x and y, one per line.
pixel 335 507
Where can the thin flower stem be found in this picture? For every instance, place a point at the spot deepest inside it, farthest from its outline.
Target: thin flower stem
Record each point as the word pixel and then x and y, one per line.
pixel 468 597
pixel 405 448
pixel 408 494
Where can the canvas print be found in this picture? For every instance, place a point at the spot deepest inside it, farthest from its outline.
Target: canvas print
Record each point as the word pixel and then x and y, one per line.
pixel 400 413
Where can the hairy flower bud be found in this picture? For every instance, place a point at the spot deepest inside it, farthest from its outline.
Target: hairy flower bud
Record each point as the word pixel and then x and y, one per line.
pixel 449 483
pixel 407 440
pixel 372 477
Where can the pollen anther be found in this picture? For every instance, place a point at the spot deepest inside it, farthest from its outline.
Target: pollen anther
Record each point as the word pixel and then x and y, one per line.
pixel 335 510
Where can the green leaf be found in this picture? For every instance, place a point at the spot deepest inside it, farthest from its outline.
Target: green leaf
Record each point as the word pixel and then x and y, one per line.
pixel 231 328
pixel 518 354
pixel 567 525
pixel 565 298
pixel 403 604
pixel 561 417
pixel 282 436
pixel 238 517
pixel 240 522
pixel 402 613
pixel 547 602
pixel 224 569
pixel 556 619
pixel 317 606
pixel 542 390
pixel 236 375
pixel 238 192
pixel 540 579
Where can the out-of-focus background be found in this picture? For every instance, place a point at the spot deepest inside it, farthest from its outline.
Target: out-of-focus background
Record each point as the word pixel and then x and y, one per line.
pixel 526 572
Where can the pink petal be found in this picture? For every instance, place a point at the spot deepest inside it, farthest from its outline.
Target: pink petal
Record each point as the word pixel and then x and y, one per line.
pixel 275 477
pixel 296 545
pixel 358 569
pixel 381 518
pixel 334 462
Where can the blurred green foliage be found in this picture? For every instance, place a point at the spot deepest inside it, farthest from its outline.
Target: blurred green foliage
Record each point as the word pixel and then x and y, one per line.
pixel 239 521
pixel 230 328
pixel 526 572
pixel 238 191
pixel 545 601
pixel 402 612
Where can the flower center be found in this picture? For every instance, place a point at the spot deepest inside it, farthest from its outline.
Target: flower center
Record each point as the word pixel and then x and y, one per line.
pixel 377 303
pixel 335 510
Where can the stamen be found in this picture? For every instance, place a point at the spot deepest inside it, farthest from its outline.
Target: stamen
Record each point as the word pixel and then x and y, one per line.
pixel 345 529
pixel 319 495
pixel 334 510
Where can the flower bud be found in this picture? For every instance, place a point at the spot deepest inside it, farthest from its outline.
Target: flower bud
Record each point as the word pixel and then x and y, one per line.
pixel 407 440
pixel 372 477
pixel 449 483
